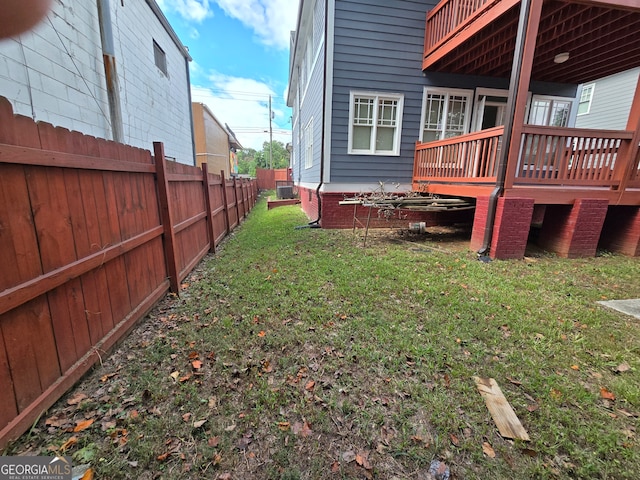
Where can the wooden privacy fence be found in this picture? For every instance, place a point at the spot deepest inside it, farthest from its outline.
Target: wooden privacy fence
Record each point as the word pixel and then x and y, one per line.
pixel 92 234
pixel 267 178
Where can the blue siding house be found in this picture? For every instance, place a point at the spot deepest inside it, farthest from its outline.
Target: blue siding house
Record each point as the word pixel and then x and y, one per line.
pixel 479 101
pixel 361 101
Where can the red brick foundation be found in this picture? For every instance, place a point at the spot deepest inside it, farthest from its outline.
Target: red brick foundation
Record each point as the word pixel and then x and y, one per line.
pixel 510 229
pixel 621 230
pixel 479 223
pixel 309 202
pixel 573 231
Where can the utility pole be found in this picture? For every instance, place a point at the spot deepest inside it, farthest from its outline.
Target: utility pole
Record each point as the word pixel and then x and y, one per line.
pixel 270 136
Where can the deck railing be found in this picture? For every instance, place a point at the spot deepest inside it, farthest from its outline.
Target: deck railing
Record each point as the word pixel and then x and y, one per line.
pixel 447 16
pixel 568 156
pixel 472 157
pixel 634 181
pixel 548 156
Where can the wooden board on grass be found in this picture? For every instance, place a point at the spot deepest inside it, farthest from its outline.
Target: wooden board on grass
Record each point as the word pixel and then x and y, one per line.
pixel 503 415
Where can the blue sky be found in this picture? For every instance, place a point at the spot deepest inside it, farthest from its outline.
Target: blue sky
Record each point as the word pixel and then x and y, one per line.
pixel 240 51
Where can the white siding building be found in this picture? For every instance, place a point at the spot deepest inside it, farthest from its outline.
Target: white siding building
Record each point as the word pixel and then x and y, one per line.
pixel 56 73
pixel 606 102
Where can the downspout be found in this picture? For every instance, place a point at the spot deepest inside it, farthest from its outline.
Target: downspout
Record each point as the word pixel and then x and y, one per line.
pixel 110 73
pixel 316 222
pixel 299 132
pixel 193 138
pixel 516 71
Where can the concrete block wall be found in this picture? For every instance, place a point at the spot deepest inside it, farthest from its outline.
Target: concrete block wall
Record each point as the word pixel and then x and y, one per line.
pixel 55 73
pixel 573 231
pixel 155 106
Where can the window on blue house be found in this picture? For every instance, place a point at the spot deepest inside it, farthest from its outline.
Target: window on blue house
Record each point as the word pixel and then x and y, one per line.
pixel 375 123
pixel 308 144
pixel 445 113
pixel 549 111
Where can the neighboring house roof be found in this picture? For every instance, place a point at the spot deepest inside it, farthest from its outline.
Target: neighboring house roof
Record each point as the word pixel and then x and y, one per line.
pixel 165 23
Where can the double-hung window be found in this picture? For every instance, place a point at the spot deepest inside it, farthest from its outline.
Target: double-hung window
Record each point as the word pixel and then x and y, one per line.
pixel 308 144
pixel 585 98
pixel 375 123
pixel 549 111
pixel 445 113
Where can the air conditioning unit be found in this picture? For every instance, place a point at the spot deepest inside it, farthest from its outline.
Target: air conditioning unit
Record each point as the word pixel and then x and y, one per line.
pixel 284 191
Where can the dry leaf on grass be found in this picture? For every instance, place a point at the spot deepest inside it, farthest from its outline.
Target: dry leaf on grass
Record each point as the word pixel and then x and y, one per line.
pixel 488 450
pixel 623 367
pixel 68 444
pixel 362 459
pixel 196 364
pixel 284 426
pixel 606 394
pixel 348 456
pixel 301 428
pixel 76 399
pixel 88 475
pixel 83 425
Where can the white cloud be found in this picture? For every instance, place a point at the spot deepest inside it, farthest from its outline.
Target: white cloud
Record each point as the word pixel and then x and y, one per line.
pixel 190 10
pixel 271 20
pixel 195 69
pixel 243 104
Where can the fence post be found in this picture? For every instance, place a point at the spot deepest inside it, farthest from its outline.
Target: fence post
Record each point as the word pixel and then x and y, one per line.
pixel 209 207
pixel 235 196
pixel 226 202
pixel 165 216
pixel 245 198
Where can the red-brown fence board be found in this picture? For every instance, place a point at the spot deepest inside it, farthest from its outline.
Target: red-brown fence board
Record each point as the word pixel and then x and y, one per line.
pixel 83 251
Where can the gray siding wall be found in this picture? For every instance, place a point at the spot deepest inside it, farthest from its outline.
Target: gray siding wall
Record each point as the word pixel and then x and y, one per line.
pixel 378 47
pixel 611 102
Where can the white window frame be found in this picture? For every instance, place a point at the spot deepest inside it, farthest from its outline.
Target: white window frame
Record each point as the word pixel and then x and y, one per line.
pixel 477 104
pixel 552 99
pixel 377 97
pixel 590 88
pixel 448 92
pixel 307 138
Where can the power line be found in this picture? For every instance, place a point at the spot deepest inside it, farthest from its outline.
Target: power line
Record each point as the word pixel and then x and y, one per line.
pixel 248 94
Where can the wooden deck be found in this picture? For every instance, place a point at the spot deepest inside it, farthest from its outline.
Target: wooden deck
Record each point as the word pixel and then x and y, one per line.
pixel 554 165
pixel 475 37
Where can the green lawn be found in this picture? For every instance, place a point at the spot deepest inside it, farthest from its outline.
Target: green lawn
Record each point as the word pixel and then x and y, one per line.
pixel 299 354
